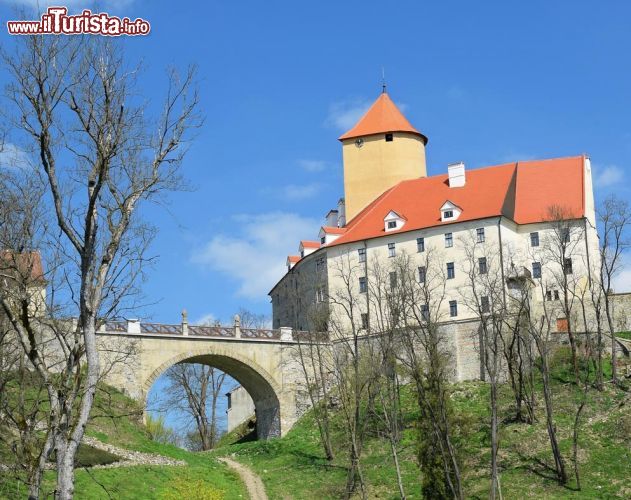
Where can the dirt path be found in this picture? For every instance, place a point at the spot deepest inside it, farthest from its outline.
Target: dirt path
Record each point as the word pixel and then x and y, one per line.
pixel 252 482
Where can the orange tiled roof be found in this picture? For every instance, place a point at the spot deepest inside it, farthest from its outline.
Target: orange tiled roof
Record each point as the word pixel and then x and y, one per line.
pixel 383 116
pixel 310 244
pixel 520 191
pixel 293 258
pixel 333 230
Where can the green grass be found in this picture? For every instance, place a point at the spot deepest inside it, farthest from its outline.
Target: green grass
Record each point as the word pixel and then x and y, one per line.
pixel 624 335
pixel 294 466
pixel 117 420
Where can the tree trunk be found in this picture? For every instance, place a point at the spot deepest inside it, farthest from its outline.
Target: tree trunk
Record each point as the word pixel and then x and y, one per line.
pixel 558 459
pixel 494 439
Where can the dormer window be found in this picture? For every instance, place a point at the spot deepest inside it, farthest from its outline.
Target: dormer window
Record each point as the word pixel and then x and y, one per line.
pixel 393 221
pixel 449 211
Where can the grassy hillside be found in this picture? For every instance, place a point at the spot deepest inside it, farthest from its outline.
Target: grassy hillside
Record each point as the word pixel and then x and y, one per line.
pixel 294 467
pixel 118 420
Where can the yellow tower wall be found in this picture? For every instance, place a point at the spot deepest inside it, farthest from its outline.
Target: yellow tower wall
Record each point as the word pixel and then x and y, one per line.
pixel 378 165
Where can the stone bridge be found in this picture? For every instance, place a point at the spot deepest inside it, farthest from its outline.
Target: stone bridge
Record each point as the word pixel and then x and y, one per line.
pixel 135 354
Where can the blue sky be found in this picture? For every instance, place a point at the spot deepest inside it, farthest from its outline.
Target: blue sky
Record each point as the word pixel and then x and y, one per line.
pixel 487 82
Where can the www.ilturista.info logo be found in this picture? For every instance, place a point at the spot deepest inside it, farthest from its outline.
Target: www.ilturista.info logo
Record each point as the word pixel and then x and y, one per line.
pixel 56 21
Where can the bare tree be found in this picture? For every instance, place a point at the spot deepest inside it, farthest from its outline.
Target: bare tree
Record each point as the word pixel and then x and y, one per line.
pixel 314 354
pixel 353 372
pixel 562 247
pixel 539 316
pixel 249 319
pixel 384 347
pixel 426 357
pixel 614 218
pixel 194 389
pixel 73 103
pixel 485 296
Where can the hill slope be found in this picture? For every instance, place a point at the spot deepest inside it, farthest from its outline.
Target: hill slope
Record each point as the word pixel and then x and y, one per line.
pixel 294 466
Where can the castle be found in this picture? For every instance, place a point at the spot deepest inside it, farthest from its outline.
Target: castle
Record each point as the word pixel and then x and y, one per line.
pixel 391 207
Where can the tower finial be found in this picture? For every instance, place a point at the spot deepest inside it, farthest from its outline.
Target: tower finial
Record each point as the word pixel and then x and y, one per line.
pixel 383 80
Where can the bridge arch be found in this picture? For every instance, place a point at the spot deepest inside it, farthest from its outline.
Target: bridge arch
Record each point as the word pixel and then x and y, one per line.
pixel 261 386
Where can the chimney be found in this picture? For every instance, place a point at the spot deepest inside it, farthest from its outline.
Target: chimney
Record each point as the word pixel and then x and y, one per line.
pixel 341 213
pixel 331 218
pixel 457 176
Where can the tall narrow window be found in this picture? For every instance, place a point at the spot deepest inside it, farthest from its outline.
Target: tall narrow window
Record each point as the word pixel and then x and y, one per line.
pixel 453 308
pixel 391 250
pixel 451 271
pixel 449 240
pixel 567 267
pixel 536 269
pixel 361 252
pixel 425 312
pixel 482 265
pixel 420 244
pixel 565 234
pixel 422 274
pixel 363 285
pixel 393 280
pixel 548 295
pixel 480 234
pixel 534 239
pixel 365 321
pixel 485 305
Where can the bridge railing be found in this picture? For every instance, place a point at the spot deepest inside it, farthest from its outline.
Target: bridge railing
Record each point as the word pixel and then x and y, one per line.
pixel 136 327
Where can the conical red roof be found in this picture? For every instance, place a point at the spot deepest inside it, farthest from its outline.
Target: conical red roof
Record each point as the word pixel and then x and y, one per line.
pixel 383 116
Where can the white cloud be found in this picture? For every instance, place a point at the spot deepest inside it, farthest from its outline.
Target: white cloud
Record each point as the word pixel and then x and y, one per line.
pixel 255 257
pixel 344 114
pixel 12 156
pixel 313 165
pixel 297 192
pixel 607 176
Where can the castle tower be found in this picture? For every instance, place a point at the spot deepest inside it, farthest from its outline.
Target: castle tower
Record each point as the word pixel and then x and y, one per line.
pixel 381 150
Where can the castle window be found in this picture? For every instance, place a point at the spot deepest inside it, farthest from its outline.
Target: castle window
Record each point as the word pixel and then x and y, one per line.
pixel 323 240
pixel 451 271
pixel 422 274
pixel 363 285
pixel 393 281
pixel 420 244
pixel 482 265
pixel 453 308
pixel 391 250
pixel 389 137
pixel 534 239
pixel 567 267
pixel 392 224
pixel 361 252
pixel 425 312
pixel 565 235
pixel 485 305
pixel 480 234
pixel 536 269
pixel 364 321
pixel 449 240
pixel 448 214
